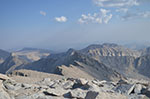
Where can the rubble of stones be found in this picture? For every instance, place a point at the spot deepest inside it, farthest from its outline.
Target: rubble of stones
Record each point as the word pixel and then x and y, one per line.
pixel 71 88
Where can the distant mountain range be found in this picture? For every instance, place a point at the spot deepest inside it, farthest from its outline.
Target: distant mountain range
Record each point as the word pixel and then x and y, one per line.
pixel 32 54
pixel 106 61
pixel 28 49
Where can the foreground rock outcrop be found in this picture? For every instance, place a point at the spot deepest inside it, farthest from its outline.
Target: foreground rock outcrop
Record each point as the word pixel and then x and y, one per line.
pixel 73 88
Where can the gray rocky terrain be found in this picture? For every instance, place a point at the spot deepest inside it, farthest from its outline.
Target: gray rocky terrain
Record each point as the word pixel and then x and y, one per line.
pixel 106 71
pixel 16 86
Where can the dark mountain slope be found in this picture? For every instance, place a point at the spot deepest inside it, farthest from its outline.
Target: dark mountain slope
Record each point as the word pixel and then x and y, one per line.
pixel 11 63
pixel 3 55
pixel 142 64
pixel 73 60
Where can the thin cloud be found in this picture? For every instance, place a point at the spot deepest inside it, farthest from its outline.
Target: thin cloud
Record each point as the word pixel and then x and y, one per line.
pixel 43 13
pixel 122 10
pixel 61 19
pixel 116 3
pixel 128 16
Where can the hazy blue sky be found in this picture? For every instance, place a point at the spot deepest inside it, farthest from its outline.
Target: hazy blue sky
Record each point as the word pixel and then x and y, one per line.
pixel 60 24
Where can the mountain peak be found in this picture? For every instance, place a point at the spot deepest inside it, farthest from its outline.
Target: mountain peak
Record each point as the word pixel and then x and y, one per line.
pixel 71 51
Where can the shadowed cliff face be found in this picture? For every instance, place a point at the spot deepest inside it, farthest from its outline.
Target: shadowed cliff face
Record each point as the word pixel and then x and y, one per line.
pixel 143 65
pixel 146 51
pixel 3 55
pixel 11 63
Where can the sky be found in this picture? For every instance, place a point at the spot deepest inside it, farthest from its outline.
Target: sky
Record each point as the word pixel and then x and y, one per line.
pixel 63 24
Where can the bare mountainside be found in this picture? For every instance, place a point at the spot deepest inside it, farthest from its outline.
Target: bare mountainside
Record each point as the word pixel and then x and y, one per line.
pixel 106 61
pixel 112 55
pixel 3 55
pixel 21 57
pixel 109 49
pixel 11 63
pixel 143 65
pixel 66 63
pixel 117 57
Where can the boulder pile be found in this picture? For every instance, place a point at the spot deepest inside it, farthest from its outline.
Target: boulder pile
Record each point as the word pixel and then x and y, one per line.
pixel 73 88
